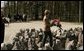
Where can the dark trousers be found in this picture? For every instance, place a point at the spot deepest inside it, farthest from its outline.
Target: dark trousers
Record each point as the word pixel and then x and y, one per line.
pixel 2 28
pixel 46 34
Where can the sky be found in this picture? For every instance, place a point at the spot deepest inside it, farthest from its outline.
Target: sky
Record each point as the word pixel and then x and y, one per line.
pixel 2 3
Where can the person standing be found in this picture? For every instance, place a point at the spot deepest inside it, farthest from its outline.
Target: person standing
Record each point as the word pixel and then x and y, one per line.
pixel 2 28
pixel 47 25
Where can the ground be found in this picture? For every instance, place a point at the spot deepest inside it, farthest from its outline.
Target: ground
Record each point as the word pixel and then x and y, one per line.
pixel 13 28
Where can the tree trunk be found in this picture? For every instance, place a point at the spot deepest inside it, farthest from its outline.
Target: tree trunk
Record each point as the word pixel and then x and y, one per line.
pixel 79 11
